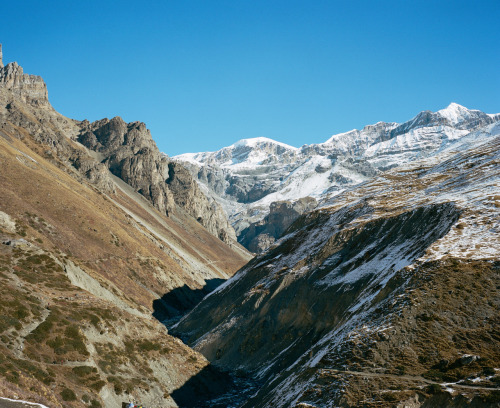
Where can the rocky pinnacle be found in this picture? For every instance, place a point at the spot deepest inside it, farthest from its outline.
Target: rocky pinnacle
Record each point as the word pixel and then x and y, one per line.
pixel 1 57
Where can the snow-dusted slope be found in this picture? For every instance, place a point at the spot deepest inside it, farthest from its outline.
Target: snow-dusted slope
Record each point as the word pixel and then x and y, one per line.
pixel 249 175
pixel 389 288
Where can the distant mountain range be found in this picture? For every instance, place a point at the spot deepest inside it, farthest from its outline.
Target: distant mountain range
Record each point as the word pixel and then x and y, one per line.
pixel 250 175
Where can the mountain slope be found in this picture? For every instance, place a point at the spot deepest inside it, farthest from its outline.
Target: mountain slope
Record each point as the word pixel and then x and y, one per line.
pixel 251 174
pixel 375 299
pixel 84 262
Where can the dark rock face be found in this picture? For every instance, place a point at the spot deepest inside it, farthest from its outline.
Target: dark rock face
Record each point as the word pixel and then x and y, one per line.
pixel 259 236
pixel 282 302
pixel 248 188
pixel 130 153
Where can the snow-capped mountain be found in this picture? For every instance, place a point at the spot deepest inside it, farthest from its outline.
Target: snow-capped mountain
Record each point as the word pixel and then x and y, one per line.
pixel 387 296
pixel 249 175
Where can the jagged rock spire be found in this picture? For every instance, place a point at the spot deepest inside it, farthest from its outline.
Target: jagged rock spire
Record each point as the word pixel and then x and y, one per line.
pixel 1 57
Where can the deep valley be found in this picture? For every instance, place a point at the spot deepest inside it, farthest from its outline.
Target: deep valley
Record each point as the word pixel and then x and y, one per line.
pixel 360 272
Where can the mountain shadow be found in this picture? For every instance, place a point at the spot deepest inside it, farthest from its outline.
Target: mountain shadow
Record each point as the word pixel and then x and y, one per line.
pixel 214 388
pixel 170 308
pixel 203 387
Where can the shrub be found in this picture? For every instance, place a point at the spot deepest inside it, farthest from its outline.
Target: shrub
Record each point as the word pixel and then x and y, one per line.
pixel 72 332
pixel 83 371
pixel 147 345
pixel 68 395
pixel 488 371
pixel 390 397
pixel 21 313
pixel 96 386
pixel 433 375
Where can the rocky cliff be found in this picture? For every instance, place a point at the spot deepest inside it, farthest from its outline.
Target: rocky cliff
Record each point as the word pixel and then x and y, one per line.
pixel 130 153
pixel 262 234
pixel 384 297
pixel 127 150
pixel 25 110
pixel 31 89
pixel 88 265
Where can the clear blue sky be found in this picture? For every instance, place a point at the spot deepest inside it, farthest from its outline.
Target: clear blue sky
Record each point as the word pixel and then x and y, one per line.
pixel 204 74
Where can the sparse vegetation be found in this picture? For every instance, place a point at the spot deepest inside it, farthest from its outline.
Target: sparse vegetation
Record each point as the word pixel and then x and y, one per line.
pixel 95 404
pixel 70 343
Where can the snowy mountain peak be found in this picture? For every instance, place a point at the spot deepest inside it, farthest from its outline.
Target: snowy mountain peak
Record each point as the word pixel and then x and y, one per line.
pixel 455 113
pixel 246 177
pixel 256 141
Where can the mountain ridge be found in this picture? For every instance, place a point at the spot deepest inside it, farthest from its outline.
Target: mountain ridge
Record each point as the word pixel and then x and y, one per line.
pixel 246 177
pixel 89 264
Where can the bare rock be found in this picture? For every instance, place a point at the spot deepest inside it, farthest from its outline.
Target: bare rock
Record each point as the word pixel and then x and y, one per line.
pixel 6 223
pixel 31 89
pixel 259 236
pixel 131 154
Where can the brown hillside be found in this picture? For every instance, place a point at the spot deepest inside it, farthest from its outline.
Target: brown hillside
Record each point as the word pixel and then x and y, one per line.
pixel 83 258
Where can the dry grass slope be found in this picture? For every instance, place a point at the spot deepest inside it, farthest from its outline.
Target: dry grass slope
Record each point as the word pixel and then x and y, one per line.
pixel 80 271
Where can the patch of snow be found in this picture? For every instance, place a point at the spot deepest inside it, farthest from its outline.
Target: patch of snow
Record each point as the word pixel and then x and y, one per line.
pixel 24 402
pixel 256 141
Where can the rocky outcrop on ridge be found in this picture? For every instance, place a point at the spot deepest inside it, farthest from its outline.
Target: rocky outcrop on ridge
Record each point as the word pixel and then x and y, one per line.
pixel 25 109
pixel 127 150
pixel 130 153
pixel 31 89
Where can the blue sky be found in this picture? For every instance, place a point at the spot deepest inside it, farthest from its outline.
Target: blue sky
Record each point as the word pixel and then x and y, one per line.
pixel 204 74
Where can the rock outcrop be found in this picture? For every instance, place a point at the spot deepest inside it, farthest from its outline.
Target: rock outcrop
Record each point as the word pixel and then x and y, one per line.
pixel 127 150
pixel 24 105
pixel 130 153
pixel 260 235
pixel 31 89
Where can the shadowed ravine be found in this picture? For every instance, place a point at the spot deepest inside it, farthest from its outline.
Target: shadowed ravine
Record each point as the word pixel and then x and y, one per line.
pixel 173 305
